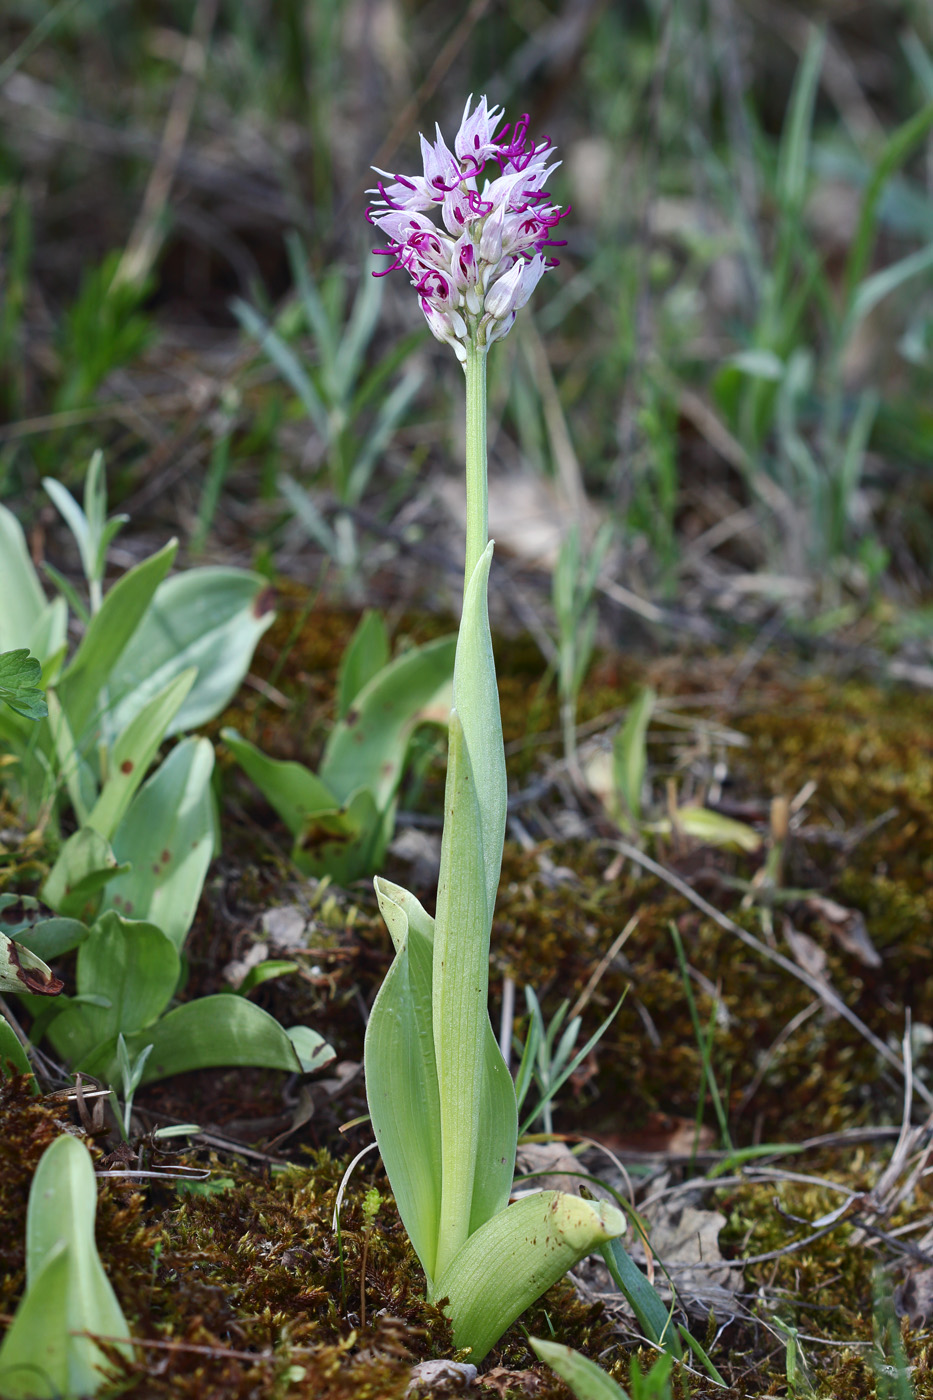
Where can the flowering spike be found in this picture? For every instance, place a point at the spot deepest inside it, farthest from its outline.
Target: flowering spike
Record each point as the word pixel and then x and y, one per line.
pixel 476 269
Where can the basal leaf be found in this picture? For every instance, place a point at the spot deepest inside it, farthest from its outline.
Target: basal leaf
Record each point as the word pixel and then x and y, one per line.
pixel 292 789
pixel 366 654
pixel 133 752
pixel 459 993
pixel 225 1029
pixel 401 1076
pixel 85 864
pixel 515 1257
pixel 134 967
pixel 46 1352
pixel 209 619
pixel 367 748
pixel 167 836
pixel 109 632
pixel 21 971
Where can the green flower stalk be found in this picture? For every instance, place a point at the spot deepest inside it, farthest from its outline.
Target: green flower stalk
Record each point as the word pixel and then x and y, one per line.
pixel 442 1101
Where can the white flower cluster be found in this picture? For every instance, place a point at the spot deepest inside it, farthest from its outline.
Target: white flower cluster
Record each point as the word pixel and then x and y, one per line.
pixel 473 275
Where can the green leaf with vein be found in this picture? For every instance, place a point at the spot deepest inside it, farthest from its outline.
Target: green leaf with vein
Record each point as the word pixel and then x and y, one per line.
pixel 46 1350
pixel 174 809
pixel 134 750
pixel 134 968
pixel 85 864
pixel 476 698
pixel 210 619
pixel 225 1029
pixel 109 632
pixel 531 1245
pixel 367 748
pixel 401 1073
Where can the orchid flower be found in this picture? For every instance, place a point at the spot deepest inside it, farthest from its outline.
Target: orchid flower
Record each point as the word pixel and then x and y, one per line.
pixel 476 272
pixel 441 1098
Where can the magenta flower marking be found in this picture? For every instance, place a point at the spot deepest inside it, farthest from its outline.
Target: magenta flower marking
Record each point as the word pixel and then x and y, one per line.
pixel 473 273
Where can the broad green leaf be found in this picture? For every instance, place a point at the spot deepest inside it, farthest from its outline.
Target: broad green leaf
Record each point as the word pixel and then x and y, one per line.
pixel 459 995
pixel 587 1380
pixel 51 938
pixel 366 654
pixel 45 1351
pixel 345 842
pixel 515 1257
pixel 649 1308
pixel 167 836
pixel 109 632
pixel 20 674
pixel 711 828
pixel 13 1054
pixel 84 866
pixel 401 1075
pixel 225 1029
pixel 208 618
pixel 630 755
pixel 132 965
pixel 20 589
pixel 292 789
pixel 367 748
pixel 134 750
pixel 476 697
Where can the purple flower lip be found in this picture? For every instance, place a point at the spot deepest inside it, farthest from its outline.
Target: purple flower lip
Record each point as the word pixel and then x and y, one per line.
pixel 474 273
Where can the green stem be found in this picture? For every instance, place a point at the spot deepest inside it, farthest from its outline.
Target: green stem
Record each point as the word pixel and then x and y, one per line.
pixel 477 491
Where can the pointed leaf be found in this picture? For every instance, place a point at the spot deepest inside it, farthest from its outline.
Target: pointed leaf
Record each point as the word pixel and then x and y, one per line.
pixel 110 630
pixel 292 789
pixel 208 618
pixel 67 1292
pixel 134 750
pixel 367 748
pixel 476 698
pixel 649 1308
pixel 167 836
pixel 505 1266
pixel 587 1380
pixel 366 654
pixel 630 755
pixel 401 1075
pixel 460 993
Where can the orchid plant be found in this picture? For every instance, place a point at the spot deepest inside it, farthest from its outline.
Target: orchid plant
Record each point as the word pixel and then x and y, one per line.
pixel 442 1101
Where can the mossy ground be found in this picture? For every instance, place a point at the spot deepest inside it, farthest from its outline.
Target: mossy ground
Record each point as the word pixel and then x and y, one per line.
pixel 241 1288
